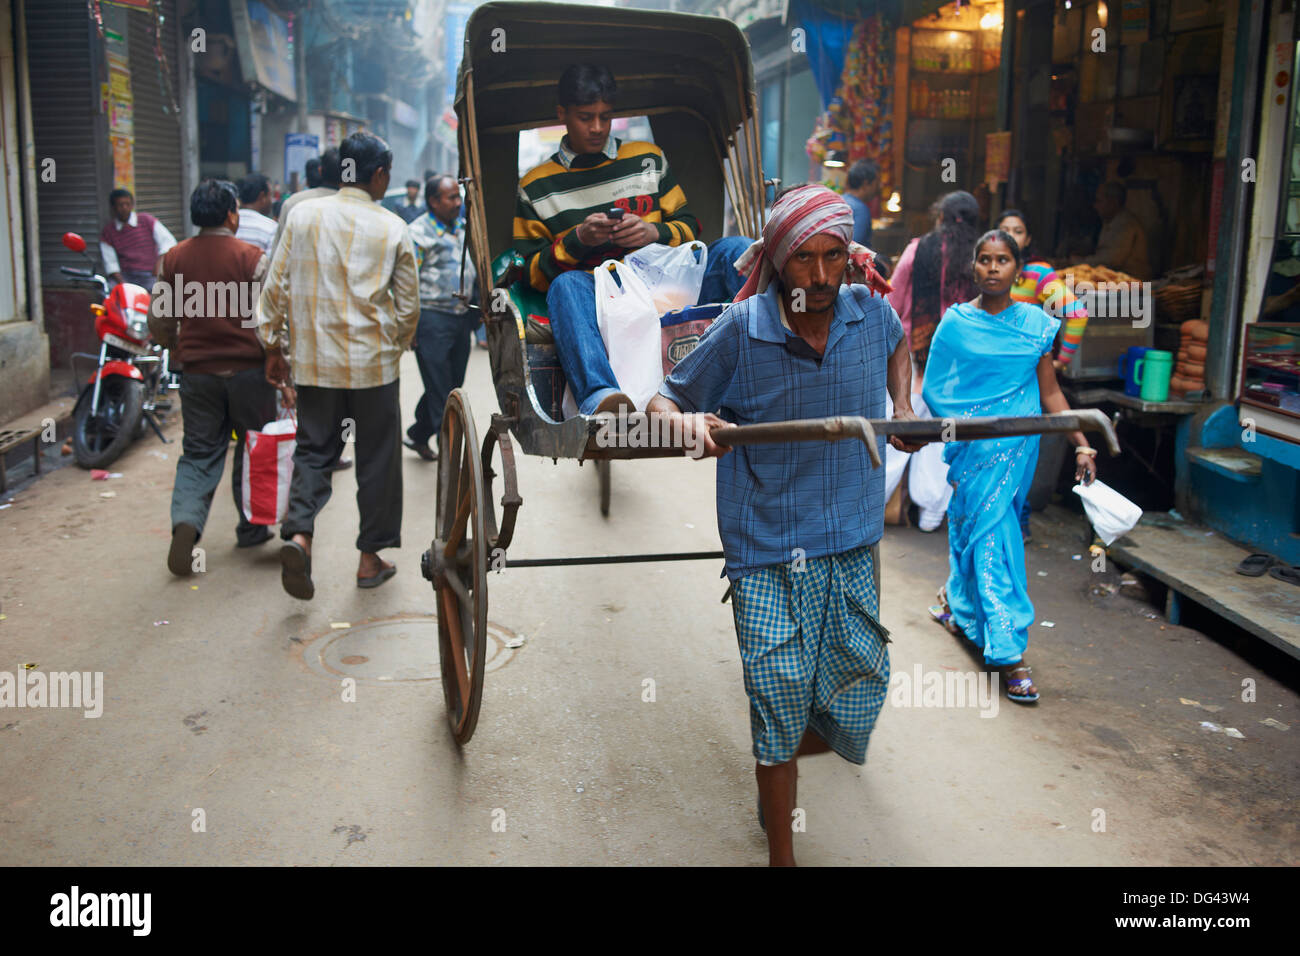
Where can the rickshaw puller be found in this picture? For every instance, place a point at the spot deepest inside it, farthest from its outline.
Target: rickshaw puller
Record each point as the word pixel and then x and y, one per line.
pixel 797 521
pixel 563 230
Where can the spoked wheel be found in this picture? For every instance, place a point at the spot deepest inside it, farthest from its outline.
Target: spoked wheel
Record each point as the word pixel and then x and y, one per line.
pixel 602 472
pixel 457 564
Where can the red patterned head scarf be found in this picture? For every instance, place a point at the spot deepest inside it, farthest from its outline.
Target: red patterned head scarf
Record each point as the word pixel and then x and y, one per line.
pixel 796 217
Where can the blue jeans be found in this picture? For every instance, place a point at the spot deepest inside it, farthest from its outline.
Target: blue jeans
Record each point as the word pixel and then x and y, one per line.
pixel 441 353
pixel 571 303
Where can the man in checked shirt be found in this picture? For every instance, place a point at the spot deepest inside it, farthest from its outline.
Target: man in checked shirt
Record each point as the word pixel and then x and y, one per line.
pixel 343 290
pixel 798 521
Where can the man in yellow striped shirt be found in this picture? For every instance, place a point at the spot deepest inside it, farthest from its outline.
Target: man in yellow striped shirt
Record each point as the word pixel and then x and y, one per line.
pixel 342 294
pixel 564 228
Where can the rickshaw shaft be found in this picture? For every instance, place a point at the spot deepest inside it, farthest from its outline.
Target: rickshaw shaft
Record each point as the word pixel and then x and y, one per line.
pixel 612 559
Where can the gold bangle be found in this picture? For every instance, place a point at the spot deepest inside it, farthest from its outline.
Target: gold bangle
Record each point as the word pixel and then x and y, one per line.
pixel 1085 450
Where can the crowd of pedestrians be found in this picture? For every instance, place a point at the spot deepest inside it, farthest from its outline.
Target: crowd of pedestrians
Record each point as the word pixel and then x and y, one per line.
pixel 342 284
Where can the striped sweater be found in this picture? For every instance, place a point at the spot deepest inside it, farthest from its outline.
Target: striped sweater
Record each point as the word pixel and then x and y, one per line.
pixel 555 197
pixel 1038 284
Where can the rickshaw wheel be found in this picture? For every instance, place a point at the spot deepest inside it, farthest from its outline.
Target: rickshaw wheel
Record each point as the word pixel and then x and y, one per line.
pixel 458 567
pixel 602 472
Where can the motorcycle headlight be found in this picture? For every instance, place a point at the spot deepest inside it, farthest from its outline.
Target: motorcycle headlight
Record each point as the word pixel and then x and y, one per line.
pixel 140 330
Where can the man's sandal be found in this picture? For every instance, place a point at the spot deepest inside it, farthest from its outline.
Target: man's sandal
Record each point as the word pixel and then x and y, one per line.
pixel 1020 689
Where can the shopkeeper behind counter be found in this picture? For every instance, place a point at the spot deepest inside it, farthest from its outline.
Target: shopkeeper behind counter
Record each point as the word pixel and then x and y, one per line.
pixel 1122 245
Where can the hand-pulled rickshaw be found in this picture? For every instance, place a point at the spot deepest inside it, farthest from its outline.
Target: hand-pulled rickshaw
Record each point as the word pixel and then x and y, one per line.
pixel 692 77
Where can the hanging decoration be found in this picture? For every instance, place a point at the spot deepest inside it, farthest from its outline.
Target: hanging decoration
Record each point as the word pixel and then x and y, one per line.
pixel 858 122
pixel 165 87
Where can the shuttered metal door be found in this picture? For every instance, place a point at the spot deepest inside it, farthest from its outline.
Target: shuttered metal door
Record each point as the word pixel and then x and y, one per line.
pixel 158 168
pixel 65 96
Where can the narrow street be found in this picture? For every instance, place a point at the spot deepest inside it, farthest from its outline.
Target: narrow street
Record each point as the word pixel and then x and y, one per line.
pixel 225 695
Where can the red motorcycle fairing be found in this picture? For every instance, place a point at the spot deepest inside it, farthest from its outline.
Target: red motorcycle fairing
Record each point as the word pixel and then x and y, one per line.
pixel 125 303
pixel 117 368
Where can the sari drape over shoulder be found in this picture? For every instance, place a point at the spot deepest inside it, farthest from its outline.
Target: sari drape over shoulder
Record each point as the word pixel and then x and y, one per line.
pixel 982 364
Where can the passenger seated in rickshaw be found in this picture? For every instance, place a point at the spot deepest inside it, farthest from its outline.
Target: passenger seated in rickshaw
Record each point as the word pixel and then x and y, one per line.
pixel 562 229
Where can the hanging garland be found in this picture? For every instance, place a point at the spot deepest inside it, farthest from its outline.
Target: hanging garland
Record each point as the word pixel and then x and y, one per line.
pixel 165 88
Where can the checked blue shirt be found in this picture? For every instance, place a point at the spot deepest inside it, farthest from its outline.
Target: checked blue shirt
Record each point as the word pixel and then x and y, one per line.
pixel 821 497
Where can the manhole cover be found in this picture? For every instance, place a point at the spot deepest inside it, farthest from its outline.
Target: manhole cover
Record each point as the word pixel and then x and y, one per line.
pixel 395 649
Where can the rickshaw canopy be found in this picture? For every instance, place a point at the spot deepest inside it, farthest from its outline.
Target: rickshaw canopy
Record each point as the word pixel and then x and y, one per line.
pixel 690 74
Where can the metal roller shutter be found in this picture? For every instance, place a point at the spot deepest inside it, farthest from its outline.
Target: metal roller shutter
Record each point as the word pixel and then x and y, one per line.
pixel 64 111
pixel 158 167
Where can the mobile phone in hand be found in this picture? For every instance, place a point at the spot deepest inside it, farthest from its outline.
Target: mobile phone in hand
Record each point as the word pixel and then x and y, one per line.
pixel 616 214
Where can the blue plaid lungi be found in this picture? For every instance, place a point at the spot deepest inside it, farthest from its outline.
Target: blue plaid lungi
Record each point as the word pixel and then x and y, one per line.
pixel 814 655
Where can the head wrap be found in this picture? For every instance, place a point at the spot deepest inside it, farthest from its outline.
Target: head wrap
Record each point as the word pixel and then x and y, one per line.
pixel 796 217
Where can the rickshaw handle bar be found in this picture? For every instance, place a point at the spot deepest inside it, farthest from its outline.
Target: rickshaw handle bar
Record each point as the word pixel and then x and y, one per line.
pixel 927 429
pixel 806 429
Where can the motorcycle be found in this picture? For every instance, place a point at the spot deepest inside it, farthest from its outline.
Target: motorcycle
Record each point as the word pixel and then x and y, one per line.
pixel 132 379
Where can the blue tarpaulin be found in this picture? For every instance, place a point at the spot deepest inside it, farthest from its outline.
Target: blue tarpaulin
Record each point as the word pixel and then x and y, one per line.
pixel 826 38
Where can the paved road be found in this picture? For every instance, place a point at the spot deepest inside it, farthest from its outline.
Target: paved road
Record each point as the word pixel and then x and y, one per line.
pixel 226 708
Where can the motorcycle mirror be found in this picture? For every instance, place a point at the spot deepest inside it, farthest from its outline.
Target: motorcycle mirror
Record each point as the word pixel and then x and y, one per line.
pixel 74 242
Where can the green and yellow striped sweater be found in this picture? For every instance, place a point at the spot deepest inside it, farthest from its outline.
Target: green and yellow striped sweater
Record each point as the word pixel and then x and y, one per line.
pixel 554 199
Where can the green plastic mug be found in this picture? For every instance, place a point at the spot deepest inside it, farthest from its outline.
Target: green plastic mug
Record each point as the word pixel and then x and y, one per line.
pixel 1152 373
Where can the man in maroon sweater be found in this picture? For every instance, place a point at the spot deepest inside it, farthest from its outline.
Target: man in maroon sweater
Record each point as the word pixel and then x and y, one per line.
pixel 223 385
pixel 132 242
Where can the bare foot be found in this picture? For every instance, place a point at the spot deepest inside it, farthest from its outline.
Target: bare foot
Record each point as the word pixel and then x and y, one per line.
pixel 304 540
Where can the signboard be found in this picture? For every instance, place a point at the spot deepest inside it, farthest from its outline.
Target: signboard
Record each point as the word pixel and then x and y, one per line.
pixel 997 157
pixel 263 41
pixel 298 148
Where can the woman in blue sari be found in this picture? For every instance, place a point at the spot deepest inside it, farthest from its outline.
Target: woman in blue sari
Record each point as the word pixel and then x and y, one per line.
pixel 993 356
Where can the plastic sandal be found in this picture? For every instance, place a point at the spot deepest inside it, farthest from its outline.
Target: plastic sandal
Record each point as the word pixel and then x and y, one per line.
pixel 1284 572
pixel 1255 565
pixel 1018 687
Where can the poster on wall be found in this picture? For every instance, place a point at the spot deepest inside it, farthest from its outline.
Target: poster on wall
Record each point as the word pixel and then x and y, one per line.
pixel 298 148
pixel 121 120
pixel 123 163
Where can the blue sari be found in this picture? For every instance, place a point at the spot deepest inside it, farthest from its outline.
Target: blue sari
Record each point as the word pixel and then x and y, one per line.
pixel 982 364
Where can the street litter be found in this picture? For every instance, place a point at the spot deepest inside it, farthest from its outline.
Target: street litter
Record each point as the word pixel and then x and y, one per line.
pixel 31 666
pixel 98 474
pixel 1267 720
pixel 1096 549
pixel 1211 726
pixel 1047 624
pixel 340 625
pixel 1212 708
pixel 108 494
pixel 1076 557
pixel 160 623
pixel 1042 574
pixel 516 641
pixel 3 507
pixel 1234 732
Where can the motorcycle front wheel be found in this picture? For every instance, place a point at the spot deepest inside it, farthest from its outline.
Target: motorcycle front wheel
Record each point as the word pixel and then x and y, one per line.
pixel 98 439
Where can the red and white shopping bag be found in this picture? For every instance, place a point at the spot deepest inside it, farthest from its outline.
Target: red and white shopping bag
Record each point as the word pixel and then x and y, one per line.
pixel 268 470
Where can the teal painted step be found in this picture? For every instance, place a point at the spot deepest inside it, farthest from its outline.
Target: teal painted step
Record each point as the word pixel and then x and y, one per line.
pixel 1234 463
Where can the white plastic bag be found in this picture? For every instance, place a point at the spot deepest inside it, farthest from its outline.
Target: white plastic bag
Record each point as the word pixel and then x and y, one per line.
pixel 673 274
pixel 629 325
pixel 1112 515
